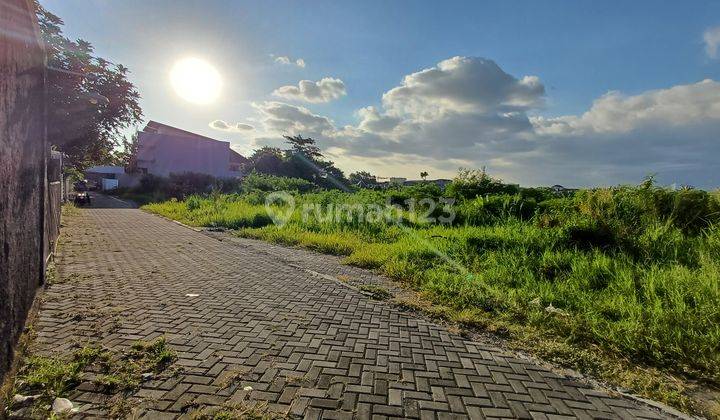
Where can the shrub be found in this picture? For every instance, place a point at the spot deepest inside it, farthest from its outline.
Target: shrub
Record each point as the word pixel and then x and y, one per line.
pixel 259 182
pixel 469 184
pixel 150 183
pixel 489 209
pixel 192 203
pixel 189 183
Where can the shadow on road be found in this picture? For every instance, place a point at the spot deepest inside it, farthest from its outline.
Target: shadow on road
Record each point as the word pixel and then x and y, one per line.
pixel 102 201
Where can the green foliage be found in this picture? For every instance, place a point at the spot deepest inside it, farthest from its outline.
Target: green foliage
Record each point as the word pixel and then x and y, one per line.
pixel 302 160
pixel 257 182
pixel 91 99
pixel 470 183
pixel 224 212
pixel 362 179
pixel 56 376
pixel 487 209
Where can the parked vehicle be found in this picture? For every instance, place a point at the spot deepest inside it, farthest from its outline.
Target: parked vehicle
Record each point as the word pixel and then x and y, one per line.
pixel 82 195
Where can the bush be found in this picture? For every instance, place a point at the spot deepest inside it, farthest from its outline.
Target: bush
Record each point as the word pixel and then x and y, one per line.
pixel 469 184
pixel 150 183
pixel 489 209
pixel 267 183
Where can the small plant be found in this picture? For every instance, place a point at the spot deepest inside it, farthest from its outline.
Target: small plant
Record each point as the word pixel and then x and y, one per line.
pixel 376 292
pixel 56 376
pixel 245 410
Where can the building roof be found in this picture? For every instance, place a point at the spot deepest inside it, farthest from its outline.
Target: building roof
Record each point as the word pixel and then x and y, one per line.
pixel 155 127
pixel 236 157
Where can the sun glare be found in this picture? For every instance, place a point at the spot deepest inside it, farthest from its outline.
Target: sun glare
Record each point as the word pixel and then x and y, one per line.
pixel 196 80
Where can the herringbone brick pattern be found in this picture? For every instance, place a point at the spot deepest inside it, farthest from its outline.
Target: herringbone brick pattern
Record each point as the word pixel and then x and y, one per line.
pixel 263 318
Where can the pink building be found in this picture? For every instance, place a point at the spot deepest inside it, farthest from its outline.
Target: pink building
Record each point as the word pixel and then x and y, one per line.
pixel 163 149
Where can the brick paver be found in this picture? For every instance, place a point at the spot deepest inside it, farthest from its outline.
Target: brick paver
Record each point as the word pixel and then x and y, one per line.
pixel 273 319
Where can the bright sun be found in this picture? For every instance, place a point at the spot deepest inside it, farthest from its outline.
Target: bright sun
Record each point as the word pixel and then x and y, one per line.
pixel 196 80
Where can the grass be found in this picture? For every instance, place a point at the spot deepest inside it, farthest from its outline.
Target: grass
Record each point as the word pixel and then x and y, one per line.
pixel 120 372
pixel 224 213
pixel 245 410
pixel 376 292
pixel 618 283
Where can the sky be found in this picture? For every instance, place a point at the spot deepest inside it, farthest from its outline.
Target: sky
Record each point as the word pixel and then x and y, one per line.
pixel 580 93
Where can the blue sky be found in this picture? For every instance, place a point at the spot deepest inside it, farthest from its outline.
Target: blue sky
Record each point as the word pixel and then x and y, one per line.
pixel 578 51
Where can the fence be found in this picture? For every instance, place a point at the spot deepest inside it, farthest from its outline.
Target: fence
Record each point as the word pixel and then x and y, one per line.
pixel 54 200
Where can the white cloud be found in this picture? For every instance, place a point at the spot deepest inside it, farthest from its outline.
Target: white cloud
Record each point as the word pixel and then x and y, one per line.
pixel 712 41
pixel 324 90
pixel 683 105
pixel 372 121
pixel 232 127
pixel 462 85
pixel 469 112
pixel 462 106
pixel 285 60
pixel 281 118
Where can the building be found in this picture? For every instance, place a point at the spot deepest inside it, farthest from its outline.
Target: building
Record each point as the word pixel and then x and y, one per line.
pixel 560 190
pixel 163 150
pixel 396 182
pixel 106 177
pixel 442 183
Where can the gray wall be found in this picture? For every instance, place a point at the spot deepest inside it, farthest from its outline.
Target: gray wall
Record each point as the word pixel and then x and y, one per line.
pixel 163 154
pixel 23 191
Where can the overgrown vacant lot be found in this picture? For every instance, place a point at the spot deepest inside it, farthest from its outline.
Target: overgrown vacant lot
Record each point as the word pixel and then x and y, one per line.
pixel 622 283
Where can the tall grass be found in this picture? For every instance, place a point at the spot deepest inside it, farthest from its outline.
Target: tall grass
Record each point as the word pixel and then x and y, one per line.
pixel 226 211
pixel 632 270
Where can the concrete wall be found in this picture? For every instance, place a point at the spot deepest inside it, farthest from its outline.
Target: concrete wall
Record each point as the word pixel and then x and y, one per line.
pixel 163 154
pixel 23 189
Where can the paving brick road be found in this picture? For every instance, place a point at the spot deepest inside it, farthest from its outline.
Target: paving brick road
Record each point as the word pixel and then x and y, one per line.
pixel 274 319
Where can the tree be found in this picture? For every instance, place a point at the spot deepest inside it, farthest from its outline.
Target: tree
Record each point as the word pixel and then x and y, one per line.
pixel 90 100
pixel 305 160
pixel 423 175
pixel 302 160
pixel 267 160
pixel 304 146
pixel 126 155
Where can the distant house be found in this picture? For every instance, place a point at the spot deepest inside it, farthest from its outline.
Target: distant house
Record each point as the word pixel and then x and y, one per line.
pixel 442 183
pixel 560 190
pixel 392 182
pixel 105 177
pixel 163 149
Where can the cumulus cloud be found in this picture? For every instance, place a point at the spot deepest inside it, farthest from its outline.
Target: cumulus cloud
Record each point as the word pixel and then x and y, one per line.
pixel 232 127
pixel 712 41
pixel 285 60
pixel 282 118
pixel 324 90
pixel 683 105
pixel 462 85
pixel 467 111
pixel 372 121
pixel 463 106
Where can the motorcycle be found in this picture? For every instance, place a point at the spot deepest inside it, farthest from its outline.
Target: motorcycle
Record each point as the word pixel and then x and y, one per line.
pixel 82 196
